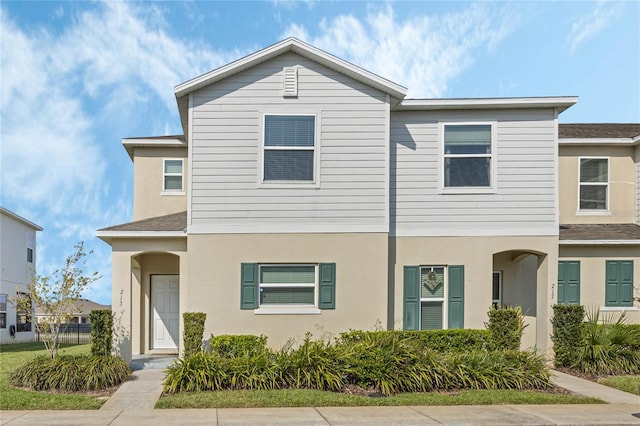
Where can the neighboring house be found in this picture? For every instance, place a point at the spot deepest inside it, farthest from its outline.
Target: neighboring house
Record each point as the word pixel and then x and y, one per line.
pixel 80 311
pixel 307 194
pixel 599 174
pixel 18 266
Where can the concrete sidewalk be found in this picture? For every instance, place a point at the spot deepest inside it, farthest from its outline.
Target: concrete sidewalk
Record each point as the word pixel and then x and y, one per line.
pixel 134 401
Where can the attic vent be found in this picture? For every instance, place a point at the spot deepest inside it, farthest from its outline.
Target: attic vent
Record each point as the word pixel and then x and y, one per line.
pixel 290 82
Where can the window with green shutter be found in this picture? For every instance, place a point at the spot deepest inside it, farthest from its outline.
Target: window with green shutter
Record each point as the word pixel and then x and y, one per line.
pixel 301 285
pixel 619 283
pixel 426 288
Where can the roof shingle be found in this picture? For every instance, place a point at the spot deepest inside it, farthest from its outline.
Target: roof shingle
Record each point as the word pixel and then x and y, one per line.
pixel 598 130
pixel 170 222
pixel 600 232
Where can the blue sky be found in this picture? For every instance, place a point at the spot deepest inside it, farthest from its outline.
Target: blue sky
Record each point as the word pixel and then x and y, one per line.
pixel 77 77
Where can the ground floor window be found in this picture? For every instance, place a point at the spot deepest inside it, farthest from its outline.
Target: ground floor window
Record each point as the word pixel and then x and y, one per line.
pixel 3 311
pixel 288 285
pixel 23 316
pixel 619 283
pixel 496 289
pixel 433 297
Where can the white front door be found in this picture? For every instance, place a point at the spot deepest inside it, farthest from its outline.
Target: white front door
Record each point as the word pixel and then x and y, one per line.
pixel 165 311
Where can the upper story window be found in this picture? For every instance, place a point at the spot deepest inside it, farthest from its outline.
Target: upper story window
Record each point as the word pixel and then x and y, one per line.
pixel 31 243
pixel 467 156
pixel 289 148
pixel 594 183
pixel 172 175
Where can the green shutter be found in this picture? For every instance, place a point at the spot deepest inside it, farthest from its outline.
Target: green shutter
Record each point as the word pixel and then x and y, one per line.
pixel 249 286
pixel 619 283
pixel 411 310
pixel 456 296
pixel 327 297
pixel 569 282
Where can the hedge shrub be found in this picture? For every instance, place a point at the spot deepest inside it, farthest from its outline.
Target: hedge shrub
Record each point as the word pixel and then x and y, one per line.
pixel 455 340
pixel 71 373
pixel 101 331
pixel 568 333
pixel 505 328
pixel 233 346
pixel 388 362
pixel 193 331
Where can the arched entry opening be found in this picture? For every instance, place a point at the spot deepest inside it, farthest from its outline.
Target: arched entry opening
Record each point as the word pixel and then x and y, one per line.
pixel 518 277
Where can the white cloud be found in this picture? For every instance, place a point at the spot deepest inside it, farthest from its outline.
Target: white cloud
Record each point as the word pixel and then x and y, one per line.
pixel 589 25
pixel 62 94
pixel 423 53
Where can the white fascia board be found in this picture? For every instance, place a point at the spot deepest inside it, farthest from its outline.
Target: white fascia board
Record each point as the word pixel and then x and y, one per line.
pixel 20 219
pixel 600 141
pixel 107 236
pixel 560 102
pixel 599 242
pixel 131 143
pixel 301 48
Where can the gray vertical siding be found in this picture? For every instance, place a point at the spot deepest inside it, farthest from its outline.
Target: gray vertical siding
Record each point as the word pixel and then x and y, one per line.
pixel 525 199
pixel 227 139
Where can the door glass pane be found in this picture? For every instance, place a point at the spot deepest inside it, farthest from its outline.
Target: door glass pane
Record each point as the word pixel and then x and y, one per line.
pixel 431 315
pixel 431 283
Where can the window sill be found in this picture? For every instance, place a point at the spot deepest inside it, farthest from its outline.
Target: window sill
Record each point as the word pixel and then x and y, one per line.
pixel 619 308
pixel 467 190
pixel 289 185
pixel 172 193
pixel 593 213
pixel 288 310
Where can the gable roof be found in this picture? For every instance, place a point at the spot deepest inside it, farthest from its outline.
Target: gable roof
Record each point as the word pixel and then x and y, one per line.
pixel 20 219
pixel 292 44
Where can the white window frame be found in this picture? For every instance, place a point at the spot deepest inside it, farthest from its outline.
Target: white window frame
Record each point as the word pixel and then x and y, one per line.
pixel 6 300
pixel 594 212
pixel 315 182
pixel 493 156
pixel 497 302
pixel 166 191
pixel 443 299
pixel 31 249
pixel 289 308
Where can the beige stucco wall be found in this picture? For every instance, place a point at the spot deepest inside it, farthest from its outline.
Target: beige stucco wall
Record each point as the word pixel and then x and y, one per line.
pixel 622 176
pixel 592 274
pixel 526 276
pixel 361 282
pixel 148 198
pixel 133 262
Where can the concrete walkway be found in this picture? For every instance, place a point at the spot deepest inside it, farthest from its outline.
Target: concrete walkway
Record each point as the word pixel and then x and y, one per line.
pixel 133 404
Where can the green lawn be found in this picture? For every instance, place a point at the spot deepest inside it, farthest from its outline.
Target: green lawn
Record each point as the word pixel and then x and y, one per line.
pixel 314 398
pixel 624 383
pixel 14 355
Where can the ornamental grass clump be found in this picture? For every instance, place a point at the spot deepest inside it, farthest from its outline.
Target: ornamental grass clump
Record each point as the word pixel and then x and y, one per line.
pixel 71 373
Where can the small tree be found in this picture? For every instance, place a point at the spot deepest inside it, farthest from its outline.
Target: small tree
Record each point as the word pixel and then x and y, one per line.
pixel 56 296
